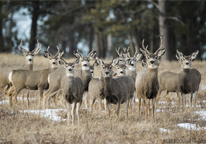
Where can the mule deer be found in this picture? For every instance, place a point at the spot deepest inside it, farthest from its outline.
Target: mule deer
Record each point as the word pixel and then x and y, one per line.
pixel 34 80
pixel 72 90
pixel 187 81
pixel 4 72
pixel 84 74
pixel 112 90
pixel 147 85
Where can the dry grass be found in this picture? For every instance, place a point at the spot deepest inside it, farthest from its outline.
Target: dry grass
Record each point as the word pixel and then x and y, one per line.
pixel 19 127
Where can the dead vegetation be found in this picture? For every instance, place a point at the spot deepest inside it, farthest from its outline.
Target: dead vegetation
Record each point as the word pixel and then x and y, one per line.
pixel 18 126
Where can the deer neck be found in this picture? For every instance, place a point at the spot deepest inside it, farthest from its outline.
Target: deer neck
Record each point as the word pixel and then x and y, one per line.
pixel 152 74
pixel 53 68
pixel 29 66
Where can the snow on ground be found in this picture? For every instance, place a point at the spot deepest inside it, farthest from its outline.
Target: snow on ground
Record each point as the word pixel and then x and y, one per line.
pixel 18 99
pixel 189 126
pixel 203 87
pixel 4 101
pixel 201 113
pixel 47 113
pixel 164 130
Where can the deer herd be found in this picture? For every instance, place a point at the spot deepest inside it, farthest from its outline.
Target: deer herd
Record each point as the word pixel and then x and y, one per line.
pixel 72 87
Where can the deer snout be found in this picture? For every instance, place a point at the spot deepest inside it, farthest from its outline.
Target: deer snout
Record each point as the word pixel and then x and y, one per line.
pixel 69 69
pixel 85 65
pixel 53 63
pixel 106 72
pixel 30 59
pixel 187 63
pixel 132 64
pixel 152 62
pixel 121 72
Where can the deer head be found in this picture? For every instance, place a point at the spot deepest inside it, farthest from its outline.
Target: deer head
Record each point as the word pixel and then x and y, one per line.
pixel 30 54
pixel 152 59
pixel 69 66
pixel 53 58
pixel 186 61
pixel 122 56
pixel 131 61
pixel 107 71
pixel 85 60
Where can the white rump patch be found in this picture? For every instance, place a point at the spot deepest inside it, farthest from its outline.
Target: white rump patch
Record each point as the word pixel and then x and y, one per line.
pixel 10 77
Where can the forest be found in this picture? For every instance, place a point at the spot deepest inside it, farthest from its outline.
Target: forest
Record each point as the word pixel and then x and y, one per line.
pixel 106 25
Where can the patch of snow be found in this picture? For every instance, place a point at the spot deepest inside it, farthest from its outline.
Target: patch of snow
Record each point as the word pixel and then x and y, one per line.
pixel 47 113
pixel 4 101
pixel 189 126
pixel 201 113
pixel 203 87
pixel 164 130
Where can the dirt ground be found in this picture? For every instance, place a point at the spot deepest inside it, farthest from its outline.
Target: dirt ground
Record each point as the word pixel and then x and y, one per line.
pixel 170 124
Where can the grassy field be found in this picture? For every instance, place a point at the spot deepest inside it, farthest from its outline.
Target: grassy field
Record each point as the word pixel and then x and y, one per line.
pixel 170 124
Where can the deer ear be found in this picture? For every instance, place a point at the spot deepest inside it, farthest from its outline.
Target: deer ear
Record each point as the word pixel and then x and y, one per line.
pixel 115 62
pixel 36 51
pixel 76 62
pixel 62 62
pixel 138 57
pixel 194 55
pixel 46 54
pixel 179 56
pixel 99 61
pixel 160 52
pixel 144 64
pixel 92 55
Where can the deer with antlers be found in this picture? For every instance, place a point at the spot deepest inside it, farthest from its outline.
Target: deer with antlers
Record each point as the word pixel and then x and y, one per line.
pixel 34 80
pixel 147 84
pixel 4 72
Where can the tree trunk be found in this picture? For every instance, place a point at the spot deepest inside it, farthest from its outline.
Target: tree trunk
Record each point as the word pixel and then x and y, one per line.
pixel 99 47
pixel 71 43
pixel 2 48
pixel 163 29
pixel 91 33
pixel 131 44
pixel 35 15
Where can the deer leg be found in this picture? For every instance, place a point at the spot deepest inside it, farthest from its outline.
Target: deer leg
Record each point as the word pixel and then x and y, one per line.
pixel 178 96
pixel 10 94
pixel 27 96
pixel 77 111
pixel 183 100
pixel 153 107
pixel 40 93
pixel 117 109
pixel 22 96
pixel 85 98
pixel 100 104
pixel 73 113
pixel 91 104
pixel 127 103
pixel 139 104
pixel 148 107
pixel 158 97
pixel 108 105
pixel 195 98
pixel 190 99
pixel 68 113
pixel 168 98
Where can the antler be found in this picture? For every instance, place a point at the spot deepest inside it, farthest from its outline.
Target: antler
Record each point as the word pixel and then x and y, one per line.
pixel 48 50
pixel 20 47
pixel 38 44
pixel 57 52
pixel 79 53
pixel 135 54
pixel 119 54
pixel 144 47
pixel 161 45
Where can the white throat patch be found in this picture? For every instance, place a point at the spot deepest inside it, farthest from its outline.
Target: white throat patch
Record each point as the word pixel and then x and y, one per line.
pixel 29 57
pixel 10 77
pixel 70 75
pixel 132 68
